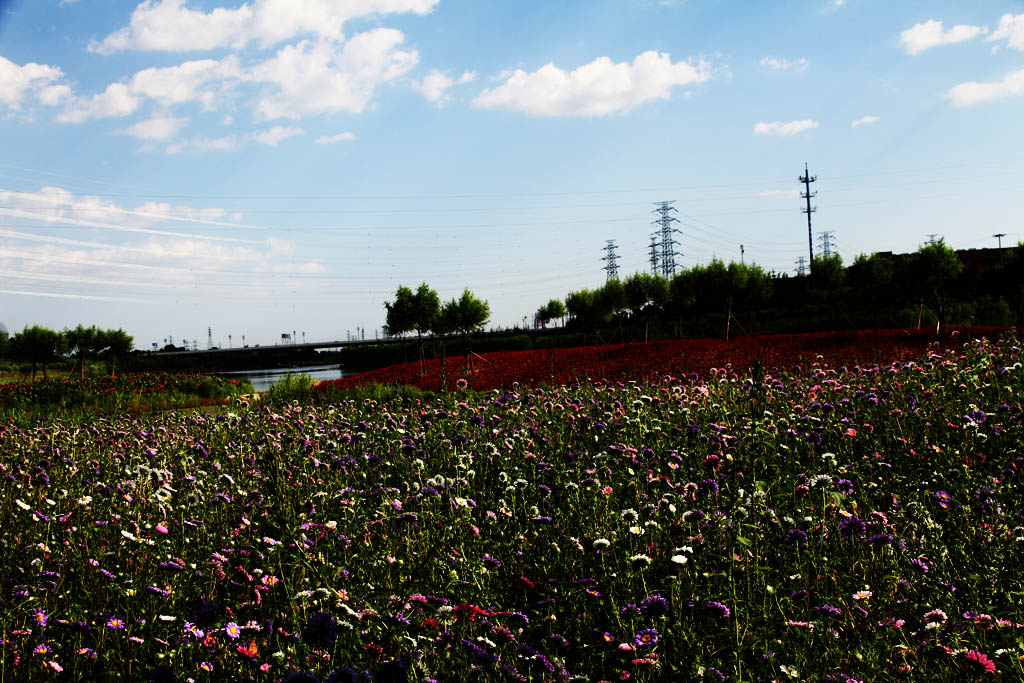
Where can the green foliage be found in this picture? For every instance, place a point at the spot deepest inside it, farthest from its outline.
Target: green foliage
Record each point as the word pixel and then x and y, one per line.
pixel 552 310
pixel 645 292
pixel 297 387
pixel 465 315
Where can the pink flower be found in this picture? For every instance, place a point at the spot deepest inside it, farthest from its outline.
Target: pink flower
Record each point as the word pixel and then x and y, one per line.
pixel 982 660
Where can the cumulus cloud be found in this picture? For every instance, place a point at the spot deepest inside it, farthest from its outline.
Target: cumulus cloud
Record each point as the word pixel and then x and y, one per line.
pixel 1011 27
pixel 155 128
pixel 785 128
pixel 171 25
pixel 972 92
pixel 187 82
pixel 340 137
pixel 117 100
pixel 273 136
pixel 776 64
pixel 321 78
pixel 865 121
pixel 31 80
pixel 929 34
pixel 599 88
pixel 434 86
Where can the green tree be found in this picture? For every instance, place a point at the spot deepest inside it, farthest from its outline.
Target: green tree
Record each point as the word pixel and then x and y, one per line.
pixel 580 306
pixel 465 315
pixel 933 270
pixel 400 312
pixel 82 343
pixel 414 311
pixel 552 310
pixel 37 345
pixel 114 345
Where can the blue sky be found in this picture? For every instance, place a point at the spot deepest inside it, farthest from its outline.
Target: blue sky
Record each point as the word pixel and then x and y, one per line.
pixel 284 165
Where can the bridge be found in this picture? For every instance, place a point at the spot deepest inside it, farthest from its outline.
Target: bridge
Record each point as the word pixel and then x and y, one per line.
pixel 304 346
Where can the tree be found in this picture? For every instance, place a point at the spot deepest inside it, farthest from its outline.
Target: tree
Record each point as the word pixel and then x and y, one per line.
pixel 645 291
pixel 114 344
pixel 37 345
pixel 580 307
pixel 82 343
pixel 550 311
pixel 932 270
pixel 466 315
pixel 411 311
pixel 400 312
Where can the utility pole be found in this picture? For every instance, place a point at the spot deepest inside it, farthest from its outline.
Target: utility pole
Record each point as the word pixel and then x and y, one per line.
pixel 801 267
pixel 654 254
pixel 826 243
pixel 665 220
pixel 807 179
pixel 229 342
pixel 999 236
pixel 741 253
pixel 612 265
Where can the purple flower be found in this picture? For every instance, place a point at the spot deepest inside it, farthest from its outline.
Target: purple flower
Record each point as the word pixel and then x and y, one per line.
pixel 844 486
pixel 321 630
pixel 654 606
pixel 943 498
pixel 880 539
pixel 115 623
pixel 646 637
pixel 796 537
pixel 852 527
pixel 718 608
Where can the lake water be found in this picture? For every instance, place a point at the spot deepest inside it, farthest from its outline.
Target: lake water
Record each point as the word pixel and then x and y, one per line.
pixel 263 379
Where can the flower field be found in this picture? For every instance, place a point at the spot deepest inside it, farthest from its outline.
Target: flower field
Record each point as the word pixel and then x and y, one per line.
pixel 809 523
pixel 650 361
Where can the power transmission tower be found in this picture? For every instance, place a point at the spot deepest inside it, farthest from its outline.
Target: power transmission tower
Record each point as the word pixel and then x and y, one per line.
pixel 741 253
pixel 931 237
pixel 826 243
pixel 668 253
pixel 999 236
pixel 807 179
pixel 209 338
pixel 611 264
pixel 654 254
pixel 801 267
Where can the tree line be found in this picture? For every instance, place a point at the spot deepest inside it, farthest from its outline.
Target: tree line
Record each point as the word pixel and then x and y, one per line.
pixel 930 287
pixel 42 347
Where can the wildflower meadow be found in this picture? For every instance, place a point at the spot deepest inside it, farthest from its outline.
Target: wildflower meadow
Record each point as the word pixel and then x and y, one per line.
pixel 783 521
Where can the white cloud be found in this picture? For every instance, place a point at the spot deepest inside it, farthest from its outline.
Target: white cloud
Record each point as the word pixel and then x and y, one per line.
pixel 599 88
pixel 783 128
pixel 200 145
pixel 777 64
pixel 929 34
pixel 865 121
pixel 340 137
pixel 185 82
pixel 116 101
pixel 972 92
pixel 435 85
pixel 156 128
pixel 29 80
pixel 1010 27
pixel 274 135
pixel 320 78
pixel 171 25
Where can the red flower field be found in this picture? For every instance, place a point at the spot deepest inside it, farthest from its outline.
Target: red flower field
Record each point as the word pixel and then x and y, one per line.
pixel 639 361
